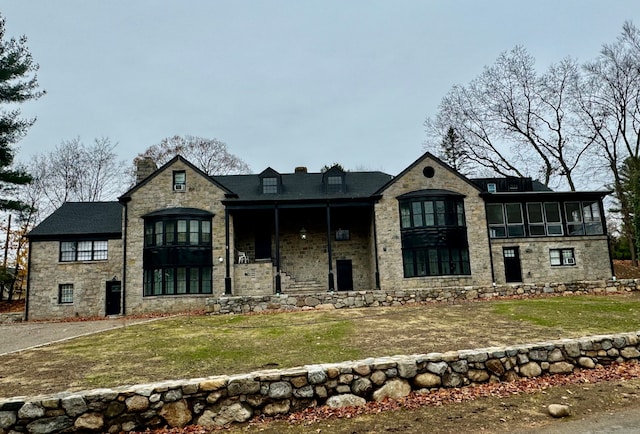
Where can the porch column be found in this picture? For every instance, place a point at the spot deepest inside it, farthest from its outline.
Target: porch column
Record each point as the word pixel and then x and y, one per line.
pixel 227 278
pixel 277 230
pixel 329 255
pixel 375 245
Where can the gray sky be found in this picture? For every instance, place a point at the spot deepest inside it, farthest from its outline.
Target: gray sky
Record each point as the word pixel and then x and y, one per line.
pixel 283 83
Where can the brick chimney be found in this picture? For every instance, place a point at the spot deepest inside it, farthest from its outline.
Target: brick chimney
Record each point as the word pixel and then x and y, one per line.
pixel 301 169
pixel 145 166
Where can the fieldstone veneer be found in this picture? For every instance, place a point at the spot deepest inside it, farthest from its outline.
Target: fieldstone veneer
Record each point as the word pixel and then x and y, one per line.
pixel 237 398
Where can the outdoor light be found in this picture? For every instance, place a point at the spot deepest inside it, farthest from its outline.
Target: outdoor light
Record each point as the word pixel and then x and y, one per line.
pixel 221 259
pixel 303 233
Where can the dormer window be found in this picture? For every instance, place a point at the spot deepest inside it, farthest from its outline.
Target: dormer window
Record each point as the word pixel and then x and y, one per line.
pixel 269 185
pixel 179 180
pixel 334 180
pixel 491 187
pixel 270 181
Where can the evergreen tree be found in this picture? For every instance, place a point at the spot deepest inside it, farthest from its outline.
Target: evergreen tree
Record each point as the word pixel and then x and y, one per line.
pixel 18 84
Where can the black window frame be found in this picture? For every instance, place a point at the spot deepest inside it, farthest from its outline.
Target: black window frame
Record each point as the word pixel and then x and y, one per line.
pixel 171 233
pixel 434 234
pixel 162 281
pixel 179 180
pixel 270 185
pixel 64 289
pixel 436 261
pixel 564 259
pixel 96 254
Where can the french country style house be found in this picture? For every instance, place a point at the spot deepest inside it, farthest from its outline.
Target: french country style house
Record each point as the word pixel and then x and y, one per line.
pixel 180 237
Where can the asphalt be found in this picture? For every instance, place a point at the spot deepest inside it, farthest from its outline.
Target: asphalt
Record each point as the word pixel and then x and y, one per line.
pixel 28 335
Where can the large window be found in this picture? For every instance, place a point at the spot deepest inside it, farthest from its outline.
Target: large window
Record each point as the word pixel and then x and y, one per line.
pixel 177 281
pixel 177 256
pixel 544 219
pixel 71 251
pixel 435 261
pixel 505 220
pixel 419 213
pixel 434 234
pixel 583 218
pixel 169 232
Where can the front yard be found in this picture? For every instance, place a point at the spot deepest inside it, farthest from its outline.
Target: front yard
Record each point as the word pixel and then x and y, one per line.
pixel 200 346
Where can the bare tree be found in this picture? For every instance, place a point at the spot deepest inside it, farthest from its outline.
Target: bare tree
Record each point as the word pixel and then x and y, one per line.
pixel 209 155
pixel 609 102
pixel 74 171
pixel 511 103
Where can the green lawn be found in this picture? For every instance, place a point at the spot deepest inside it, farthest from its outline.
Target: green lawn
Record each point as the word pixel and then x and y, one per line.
pixel 199 346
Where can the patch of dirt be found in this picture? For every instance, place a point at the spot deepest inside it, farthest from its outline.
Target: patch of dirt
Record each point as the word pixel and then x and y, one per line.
pixel 624 269
pixel 11 306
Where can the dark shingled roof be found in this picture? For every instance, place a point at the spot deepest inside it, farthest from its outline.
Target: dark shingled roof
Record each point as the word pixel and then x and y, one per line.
pixel 81 219
pixel 304 186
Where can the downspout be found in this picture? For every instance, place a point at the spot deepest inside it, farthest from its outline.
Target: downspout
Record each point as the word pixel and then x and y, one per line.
pixel 277 229
pixel 604 229
pixel 493 272
pixel 26 297
pixel 375 245
pixel 227 276
pixel 330 258
pixel 124 259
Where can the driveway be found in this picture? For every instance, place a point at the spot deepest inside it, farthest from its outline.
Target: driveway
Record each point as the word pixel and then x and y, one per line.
pixel 27 335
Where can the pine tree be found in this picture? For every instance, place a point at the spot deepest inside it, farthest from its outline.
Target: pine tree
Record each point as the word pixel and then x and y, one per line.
pixel 18 84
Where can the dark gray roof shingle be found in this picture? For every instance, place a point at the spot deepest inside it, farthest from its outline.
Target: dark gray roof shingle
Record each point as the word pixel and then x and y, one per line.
pixel 81 219
pixel 304 186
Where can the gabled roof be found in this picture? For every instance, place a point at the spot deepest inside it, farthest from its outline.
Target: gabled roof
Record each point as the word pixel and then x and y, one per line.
pixel 303 186
pixel 78 219
pixel 128 193
pixel 420 160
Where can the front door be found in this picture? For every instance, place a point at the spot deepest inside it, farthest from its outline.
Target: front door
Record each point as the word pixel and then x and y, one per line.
pixel 512 270
pixel 114 290
pixel 344 273
pixel 263 243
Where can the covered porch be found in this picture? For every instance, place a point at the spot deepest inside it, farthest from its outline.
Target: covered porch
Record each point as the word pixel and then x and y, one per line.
pixel 300 248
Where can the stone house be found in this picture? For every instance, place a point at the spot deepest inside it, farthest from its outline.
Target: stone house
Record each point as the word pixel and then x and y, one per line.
pixel 180 237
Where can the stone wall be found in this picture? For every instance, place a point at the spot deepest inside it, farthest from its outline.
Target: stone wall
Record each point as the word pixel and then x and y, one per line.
pixel 253 279
pixel 88 278
pixel 223 400
pixel 590 257
pixel 375 298
pixel 388 228
pixel 156 194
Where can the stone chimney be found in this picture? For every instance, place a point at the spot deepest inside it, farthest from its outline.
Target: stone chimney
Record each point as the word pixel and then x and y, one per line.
pixel 301 169
pixel 145 166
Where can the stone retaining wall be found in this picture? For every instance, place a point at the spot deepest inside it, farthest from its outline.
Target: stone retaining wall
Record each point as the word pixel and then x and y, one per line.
pixel 13 317
pixel 374 298
pixel 223 400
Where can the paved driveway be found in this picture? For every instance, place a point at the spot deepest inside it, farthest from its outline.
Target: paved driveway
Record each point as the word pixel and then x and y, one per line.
pixel 23 336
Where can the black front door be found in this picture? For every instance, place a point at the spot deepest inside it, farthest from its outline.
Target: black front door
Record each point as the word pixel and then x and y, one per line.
pixel 263 243
pixel 344 273
pixel 114 290
pixel 512 270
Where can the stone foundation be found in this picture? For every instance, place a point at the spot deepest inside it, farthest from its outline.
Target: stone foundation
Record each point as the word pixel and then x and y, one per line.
pixel 223 400
pixel 376 298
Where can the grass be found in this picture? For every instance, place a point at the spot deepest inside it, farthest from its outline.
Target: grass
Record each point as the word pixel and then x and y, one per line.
pixel 586 314
pixel 199 346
